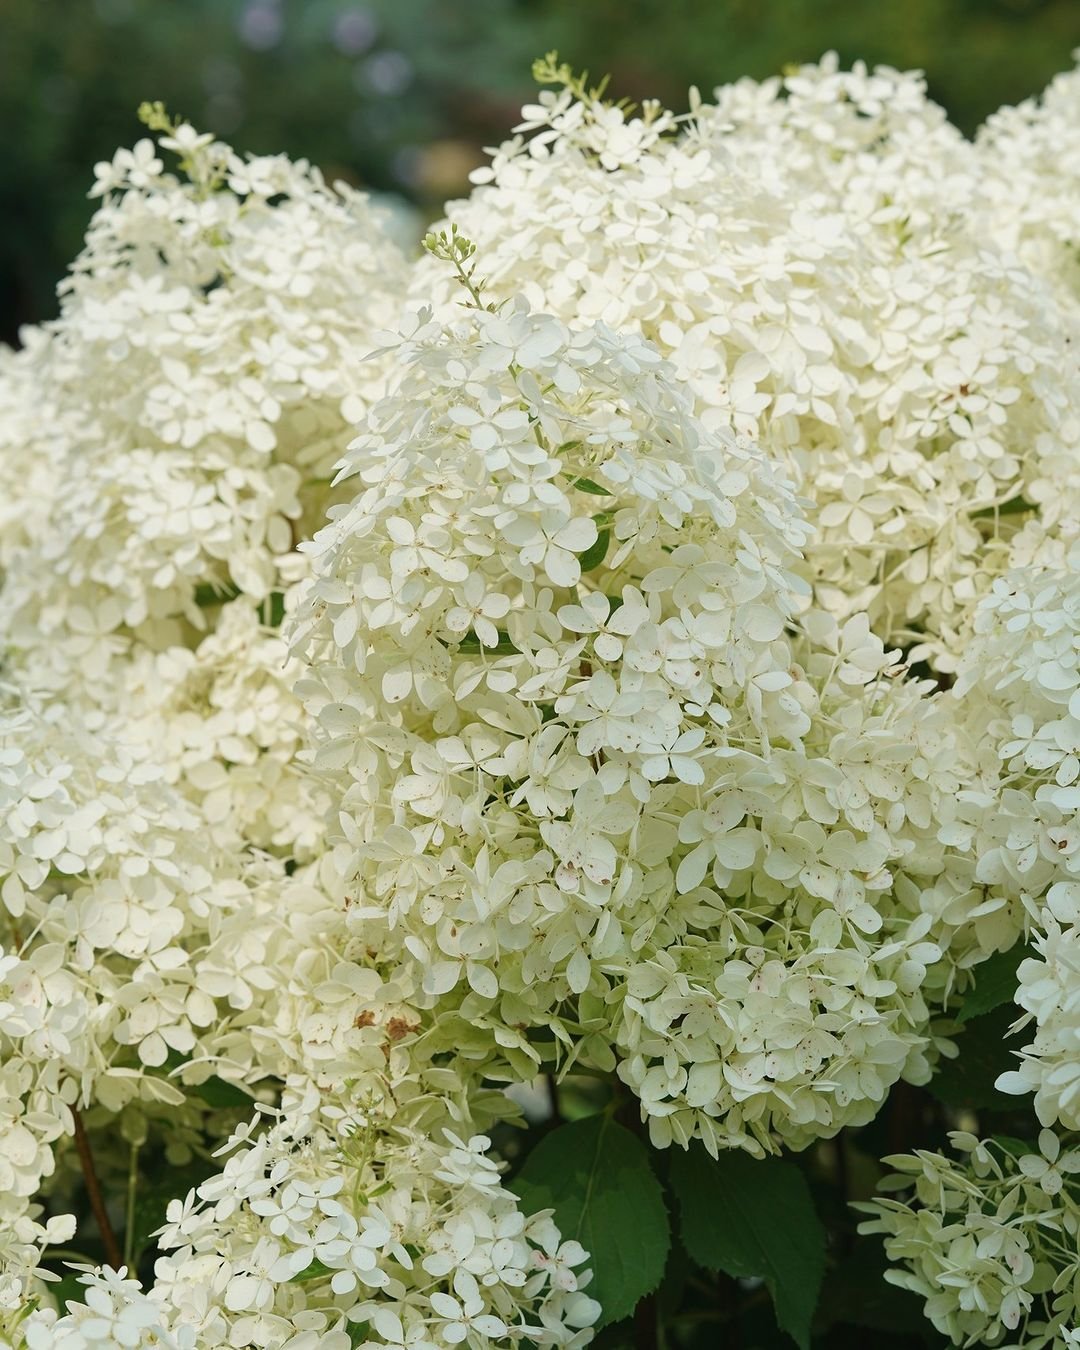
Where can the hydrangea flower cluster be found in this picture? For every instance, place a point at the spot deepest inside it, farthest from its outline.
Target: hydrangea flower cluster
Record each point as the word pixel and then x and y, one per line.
pixel 420 676
pixel 172 917
pixel 329 1232
pixel 1049 991
pixel 36 426
pixel 808 253
pixel 988 1240
pixel 1030 169
pixel 208 358
pixel 1023 665
pixel 551 672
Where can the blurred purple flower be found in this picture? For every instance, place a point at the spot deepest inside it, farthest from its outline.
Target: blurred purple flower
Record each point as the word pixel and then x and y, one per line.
pixel 386 73
pixel 355 30
pixel 261 24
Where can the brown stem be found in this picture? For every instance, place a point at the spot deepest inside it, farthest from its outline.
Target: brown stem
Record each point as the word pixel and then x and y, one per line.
pixel 93 1189
pixel 86 1162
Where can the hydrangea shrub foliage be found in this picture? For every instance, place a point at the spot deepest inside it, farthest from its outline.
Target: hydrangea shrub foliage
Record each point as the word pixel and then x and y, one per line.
pixel 540 782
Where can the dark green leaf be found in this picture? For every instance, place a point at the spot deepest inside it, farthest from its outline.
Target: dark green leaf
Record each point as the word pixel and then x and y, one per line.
pixel 754 1218
pixel 470 643
pixel 1016 1147
pixel 995 983
pixel 597 1178
pixel 671 1296
pixel 986 1050
pixel 1014 506
pixel 216 1092
pixel 154 1193
pixel 68 1289
pixel 856 1293
pixel 595 555
pixel 210 593
pixel 616 1336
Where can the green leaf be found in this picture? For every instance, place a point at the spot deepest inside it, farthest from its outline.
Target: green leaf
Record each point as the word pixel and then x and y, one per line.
pixel 469 643
pixel 596 553
pixel 597 1178
pixel 209 593
pixel 856 1293
pixel 754 1219
pixel 1017 1148
pixel 315 1271
pixel 986 1050
pixel 995 983
pixel 1014 506
pixel 68 1289
pixel 593 489
pixel 153 1196
pixel 214 1091
pixel 218 1093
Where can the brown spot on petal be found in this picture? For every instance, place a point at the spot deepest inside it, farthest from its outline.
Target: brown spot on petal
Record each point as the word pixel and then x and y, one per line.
pixel 400 1027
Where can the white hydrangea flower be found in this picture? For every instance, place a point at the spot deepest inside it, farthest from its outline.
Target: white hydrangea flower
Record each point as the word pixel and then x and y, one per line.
pixel 1029 163
pixel 627 788
pixel 228 729
pixel 598 756
pixel 1049 992
pixel 115 1313
pixel 205 366
pixel 23 1242
pixel 325 1225
pixel 190 402
pixel 808 253
pixel 132 944
pixel 987 1240
pixel 1025 655
pixel 1021 676
pixel 36 426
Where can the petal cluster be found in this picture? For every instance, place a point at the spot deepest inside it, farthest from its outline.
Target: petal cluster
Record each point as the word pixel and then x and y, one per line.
pixel 639 640
pixel 812 254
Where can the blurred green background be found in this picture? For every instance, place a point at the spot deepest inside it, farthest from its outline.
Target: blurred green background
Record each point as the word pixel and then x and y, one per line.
pixel 403 94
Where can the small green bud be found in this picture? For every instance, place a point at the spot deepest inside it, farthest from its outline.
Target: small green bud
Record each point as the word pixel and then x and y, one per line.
pixel 154 116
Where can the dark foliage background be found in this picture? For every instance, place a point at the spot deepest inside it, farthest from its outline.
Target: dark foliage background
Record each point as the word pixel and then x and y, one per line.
pixel 403 94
